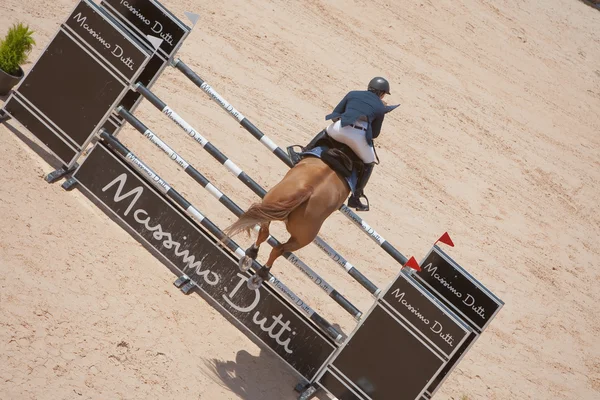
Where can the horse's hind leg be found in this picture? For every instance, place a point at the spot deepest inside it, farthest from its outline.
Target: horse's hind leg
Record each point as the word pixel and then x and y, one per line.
pixel 252 251
pixel 292 244
pixel 263 273
pixel 263 235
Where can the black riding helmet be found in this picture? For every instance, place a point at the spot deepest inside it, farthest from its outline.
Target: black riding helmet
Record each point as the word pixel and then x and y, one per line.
pixel 379 83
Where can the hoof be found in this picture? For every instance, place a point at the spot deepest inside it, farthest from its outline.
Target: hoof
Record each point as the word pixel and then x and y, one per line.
pixel 252 252
pixel 245 263
pixel 254 283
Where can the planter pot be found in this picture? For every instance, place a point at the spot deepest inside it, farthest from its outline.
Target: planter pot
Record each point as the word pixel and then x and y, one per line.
pixel 8 81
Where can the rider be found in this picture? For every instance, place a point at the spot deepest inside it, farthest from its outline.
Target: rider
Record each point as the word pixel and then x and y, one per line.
pixel 357 120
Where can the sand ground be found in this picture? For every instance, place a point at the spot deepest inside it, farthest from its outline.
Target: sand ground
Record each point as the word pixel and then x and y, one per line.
pixel 497 141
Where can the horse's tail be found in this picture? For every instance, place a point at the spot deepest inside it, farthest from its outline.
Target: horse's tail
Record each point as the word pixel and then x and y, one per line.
pixel 260 213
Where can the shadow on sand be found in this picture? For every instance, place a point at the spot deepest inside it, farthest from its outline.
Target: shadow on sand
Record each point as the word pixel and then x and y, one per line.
pixel 36 148
pixel 244 376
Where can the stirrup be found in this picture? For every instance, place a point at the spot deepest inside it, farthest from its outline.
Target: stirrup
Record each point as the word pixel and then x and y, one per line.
pixel 294 156
pixel 354 202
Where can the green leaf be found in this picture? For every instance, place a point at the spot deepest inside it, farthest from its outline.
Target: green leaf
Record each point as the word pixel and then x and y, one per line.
pixel 15 48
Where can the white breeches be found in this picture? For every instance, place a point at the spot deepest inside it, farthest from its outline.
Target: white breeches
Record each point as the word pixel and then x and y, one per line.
pixel 353 138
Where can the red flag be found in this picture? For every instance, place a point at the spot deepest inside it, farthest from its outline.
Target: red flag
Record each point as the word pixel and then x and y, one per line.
pixel 413 264
pixel 445 238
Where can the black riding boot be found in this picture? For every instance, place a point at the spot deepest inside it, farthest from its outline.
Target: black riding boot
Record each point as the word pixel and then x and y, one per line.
pixel 295 157
pixel 354 200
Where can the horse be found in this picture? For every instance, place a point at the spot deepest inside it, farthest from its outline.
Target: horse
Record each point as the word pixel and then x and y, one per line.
pixel 304 198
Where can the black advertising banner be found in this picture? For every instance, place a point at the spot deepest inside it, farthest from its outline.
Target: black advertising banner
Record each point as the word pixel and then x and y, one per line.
pixel 437 381
pixel 385 360
pixel 142 18
pixel 71 89
pixel 336 387
pixel 192 251
pixel 114 45
pixel 151 18
pixel 454 285
pixel 74 84
pixel 426 314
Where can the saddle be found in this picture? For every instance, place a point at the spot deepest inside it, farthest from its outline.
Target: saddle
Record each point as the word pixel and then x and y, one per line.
pixel 338 156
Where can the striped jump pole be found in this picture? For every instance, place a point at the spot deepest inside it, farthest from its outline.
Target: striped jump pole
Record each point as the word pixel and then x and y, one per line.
pixel 255 187
pixel 282 155
pixel 234 208
pixel 151 177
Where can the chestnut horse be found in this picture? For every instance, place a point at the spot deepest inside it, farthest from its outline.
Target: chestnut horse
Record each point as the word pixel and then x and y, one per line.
pixel 306 196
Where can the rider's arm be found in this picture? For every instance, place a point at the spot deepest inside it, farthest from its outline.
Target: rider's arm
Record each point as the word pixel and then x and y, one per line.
pixel 378 121
pixel 376 125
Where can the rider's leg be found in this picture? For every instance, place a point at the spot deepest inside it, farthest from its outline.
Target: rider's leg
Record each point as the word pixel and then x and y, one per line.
pixel 355 139
pixel 354 200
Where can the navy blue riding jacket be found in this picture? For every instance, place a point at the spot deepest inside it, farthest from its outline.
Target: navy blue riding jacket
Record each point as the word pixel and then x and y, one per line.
pixel 359 103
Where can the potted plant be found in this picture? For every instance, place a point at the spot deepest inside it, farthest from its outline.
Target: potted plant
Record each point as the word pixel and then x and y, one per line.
pixel 14 50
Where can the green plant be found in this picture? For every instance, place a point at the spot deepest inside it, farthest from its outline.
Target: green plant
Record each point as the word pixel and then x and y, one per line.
pixel 15 48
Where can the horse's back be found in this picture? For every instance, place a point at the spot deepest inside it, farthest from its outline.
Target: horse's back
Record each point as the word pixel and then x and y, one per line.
pixel 313 175
pixel 329 189
pixel 315 171
pixel 297 181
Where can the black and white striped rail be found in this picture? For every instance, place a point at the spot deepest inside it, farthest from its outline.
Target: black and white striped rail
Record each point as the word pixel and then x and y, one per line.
pixel 161 185
pixel 282 155
pixel 255 187
pixel 234 208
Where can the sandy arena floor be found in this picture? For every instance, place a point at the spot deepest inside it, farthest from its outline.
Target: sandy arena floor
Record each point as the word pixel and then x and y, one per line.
pixel 497 141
